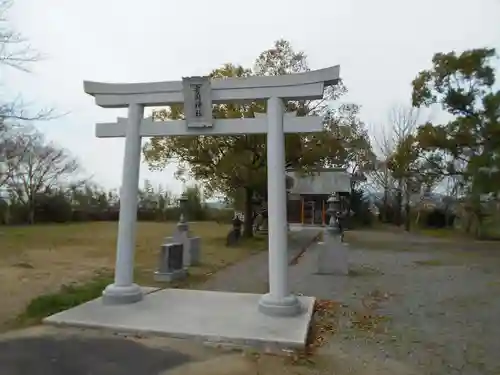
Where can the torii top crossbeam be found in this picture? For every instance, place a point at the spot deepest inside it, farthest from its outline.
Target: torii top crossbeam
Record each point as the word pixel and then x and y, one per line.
pixel 308 85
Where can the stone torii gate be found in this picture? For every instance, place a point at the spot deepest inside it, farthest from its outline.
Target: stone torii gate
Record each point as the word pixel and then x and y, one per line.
pixel 198 94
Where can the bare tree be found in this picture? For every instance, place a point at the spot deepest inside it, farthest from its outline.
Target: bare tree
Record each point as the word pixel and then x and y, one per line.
pixel 381 177
pixel 12 147
pixel 404 121
pixel 40 168
pixel 15 51
pixel 394 141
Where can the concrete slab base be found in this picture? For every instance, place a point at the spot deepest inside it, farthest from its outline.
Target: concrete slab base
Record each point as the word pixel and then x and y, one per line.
pixel 228 319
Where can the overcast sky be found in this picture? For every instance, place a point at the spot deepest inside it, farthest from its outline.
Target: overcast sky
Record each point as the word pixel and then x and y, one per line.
pixel 380 46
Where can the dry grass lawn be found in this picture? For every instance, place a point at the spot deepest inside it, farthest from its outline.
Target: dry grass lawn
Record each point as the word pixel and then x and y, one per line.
pixel 36 260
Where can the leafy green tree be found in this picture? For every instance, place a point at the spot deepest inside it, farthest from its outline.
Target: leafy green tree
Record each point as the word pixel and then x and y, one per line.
pixel 194 205
pixel 224 164
pixel 468 145
pixel 235 166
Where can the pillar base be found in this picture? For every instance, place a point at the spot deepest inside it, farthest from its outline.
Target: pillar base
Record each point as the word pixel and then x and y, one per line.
pixel 121 295
pixel 288 306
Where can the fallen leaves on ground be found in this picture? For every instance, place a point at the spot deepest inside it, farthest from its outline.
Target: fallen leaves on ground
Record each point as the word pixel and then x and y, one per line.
pixel 324 324
pixel 368 319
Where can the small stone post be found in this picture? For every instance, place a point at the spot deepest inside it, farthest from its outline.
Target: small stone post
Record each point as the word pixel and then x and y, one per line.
pixel 333 256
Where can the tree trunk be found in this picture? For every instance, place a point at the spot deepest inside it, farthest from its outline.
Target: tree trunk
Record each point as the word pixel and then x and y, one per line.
pixel 31 213
pixel 468 224
pixel 399 204
pixel 384 205
pixel 8 214
pixel 446 216
pixel 407 216
pixel 479 225
pixel 407 207
pixel 248 223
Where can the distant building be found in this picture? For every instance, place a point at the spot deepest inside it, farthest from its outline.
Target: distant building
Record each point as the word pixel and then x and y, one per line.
pixel 308 195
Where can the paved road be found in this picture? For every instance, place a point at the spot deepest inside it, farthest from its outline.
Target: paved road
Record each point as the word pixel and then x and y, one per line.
pixel 76 355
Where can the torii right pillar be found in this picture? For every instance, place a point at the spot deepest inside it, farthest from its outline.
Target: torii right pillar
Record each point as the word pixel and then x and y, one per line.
pixel 278 302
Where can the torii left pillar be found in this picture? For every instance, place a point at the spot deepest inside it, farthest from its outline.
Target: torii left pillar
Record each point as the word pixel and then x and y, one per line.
pixel 123 290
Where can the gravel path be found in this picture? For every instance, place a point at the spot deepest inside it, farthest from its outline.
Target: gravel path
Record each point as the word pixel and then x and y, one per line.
pixel 251 275
pixel 440 306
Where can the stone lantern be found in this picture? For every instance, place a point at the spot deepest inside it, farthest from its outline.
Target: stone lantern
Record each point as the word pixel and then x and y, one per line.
pixel 180 250
pixel 333 255
pixel 182 225
pixel 333 210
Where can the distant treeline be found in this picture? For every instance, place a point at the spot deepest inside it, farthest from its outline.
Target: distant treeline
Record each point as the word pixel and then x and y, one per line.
pixel 88 203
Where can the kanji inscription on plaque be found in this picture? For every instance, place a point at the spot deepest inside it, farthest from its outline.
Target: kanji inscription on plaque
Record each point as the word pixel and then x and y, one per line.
pixel 197 102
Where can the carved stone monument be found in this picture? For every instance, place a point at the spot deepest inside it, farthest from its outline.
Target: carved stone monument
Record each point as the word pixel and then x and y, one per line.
pixel 170 265
pixel 333 255
pixel 191 245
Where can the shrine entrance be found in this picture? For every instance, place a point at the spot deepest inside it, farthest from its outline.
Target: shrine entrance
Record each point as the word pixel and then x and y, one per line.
pixel 276 321
pixel 197 94
pixel 313 210
pixel 308 209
